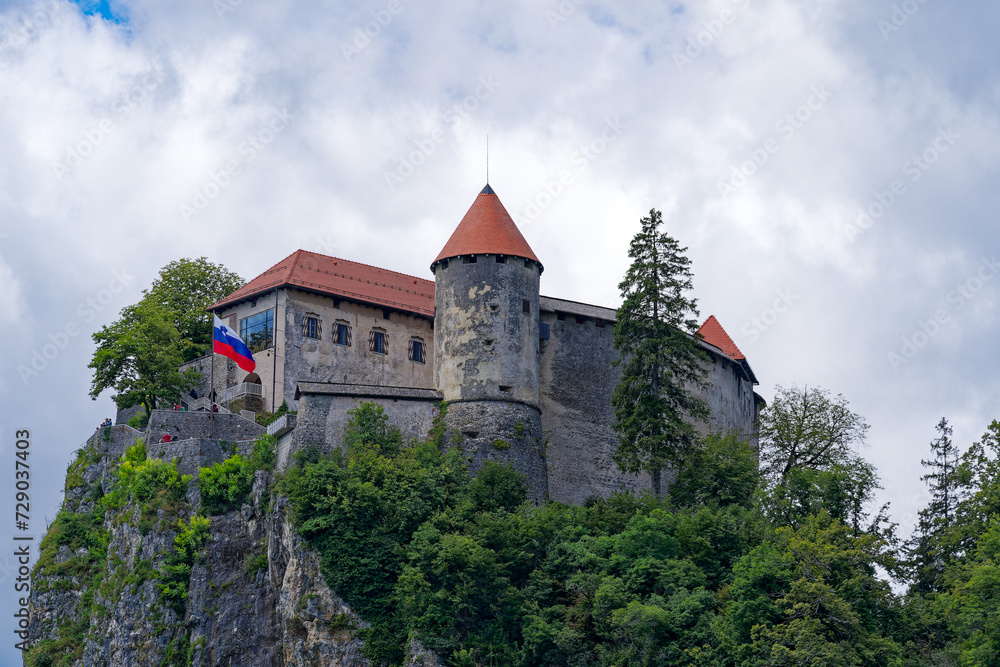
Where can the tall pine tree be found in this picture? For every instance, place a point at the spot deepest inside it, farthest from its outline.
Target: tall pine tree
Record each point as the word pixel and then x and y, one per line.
pixel 932 546
pixel 661 359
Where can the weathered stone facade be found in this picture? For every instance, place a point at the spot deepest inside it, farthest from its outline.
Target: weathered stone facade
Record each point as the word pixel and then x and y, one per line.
pixel 499 354
pixel 578 375
pixel 486 362
pixel 503 431
pixel 323 408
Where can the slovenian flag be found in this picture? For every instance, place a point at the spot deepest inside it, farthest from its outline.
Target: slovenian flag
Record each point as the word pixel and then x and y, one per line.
pixel 228 344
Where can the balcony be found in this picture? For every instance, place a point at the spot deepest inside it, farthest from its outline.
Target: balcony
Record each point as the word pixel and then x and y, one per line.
pixel 245 389
pixel 281 425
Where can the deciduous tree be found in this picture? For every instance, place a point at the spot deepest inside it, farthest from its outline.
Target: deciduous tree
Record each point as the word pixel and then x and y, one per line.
pixel 138 356
pixel 186 288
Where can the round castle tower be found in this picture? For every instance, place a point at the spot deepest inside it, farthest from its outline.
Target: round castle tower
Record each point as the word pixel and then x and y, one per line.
pixel 486 341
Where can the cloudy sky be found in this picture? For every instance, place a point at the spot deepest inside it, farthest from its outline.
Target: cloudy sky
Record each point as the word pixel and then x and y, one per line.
pixel 831 164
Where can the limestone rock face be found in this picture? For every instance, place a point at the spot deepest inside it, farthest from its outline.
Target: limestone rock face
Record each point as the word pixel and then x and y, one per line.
pixel 256 597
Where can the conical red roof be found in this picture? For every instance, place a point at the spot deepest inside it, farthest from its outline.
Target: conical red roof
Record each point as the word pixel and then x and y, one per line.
pixel 486 229
pixel 714 334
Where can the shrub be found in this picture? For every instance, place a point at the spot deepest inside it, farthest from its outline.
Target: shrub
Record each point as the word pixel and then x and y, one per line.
pixel 226 485
pixel 139 421
pixel 267 418
pixel 176 573
pixel 152 483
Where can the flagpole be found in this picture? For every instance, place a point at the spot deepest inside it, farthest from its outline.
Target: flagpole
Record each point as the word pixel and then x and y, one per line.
pixel 211 388
pixel 274 346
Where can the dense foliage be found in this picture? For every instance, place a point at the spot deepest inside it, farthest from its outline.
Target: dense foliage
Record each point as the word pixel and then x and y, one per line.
pixel 186 288
pixel 225 486
pixel 139 354
pixel 710 576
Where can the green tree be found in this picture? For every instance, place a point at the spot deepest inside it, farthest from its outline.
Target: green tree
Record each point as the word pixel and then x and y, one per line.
pixel 138 356
pixel 186 288
pixel 935 544
pixel 972 603
pixel 978 490
pixel 808 461
pixel 810 596
pixel 662 362
pixel 805 428
pixel 722 471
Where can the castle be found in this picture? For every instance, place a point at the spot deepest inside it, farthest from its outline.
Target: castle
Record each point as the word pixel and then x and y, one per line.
pixel 527 379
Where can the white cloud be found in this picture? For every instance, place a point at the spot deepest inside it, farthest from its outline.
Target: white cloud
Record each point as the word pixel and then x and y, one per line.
pixel 320 182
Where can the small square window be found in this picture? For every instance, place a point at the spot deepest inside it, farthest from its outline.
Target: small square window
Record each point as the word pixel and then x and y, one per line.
pixel 311 327
pixel 378 342
pixel 416 351
pixel 525 306
pixel 561 316
pixel 580 320
pixel 342 333
pixel 501 259
pixel 469 259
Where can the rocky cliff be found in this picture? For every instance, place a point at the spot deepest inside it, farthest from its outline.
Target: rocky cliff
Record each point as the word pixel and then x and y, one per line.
pixel 130 575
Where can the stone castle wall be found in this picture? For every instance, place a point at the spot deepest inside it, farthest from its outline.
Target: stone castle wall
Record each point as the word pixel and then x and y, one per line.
pixel 323 360
pixel 322 418
pixel 486 344
pixel 197 453
pixel 577 379
pixel 187 425
pixel 502 431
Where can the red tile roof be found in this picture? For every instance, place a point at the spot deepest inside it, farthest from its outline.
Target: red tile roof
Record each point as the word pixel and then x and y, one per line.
pixel 714 334
pixel 486 229
pixel 312 272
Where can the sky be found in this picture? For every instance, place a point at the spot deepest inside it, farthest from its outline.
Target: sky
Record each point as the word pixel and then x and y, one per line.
pixel 830 165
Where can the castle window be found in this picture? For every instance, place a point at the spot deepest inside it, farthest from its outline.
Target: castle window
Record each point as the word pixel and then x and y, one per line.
pixel 385 313
pixel 257 331
pixel 527 263
pixel 416 351
pixel 311 326
pixel 342 333
pixel 599 324
pixel 525 306
pixel 580 320
pixel 501 259
pixel 378 341
pixel 469 259
pixel 561 316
